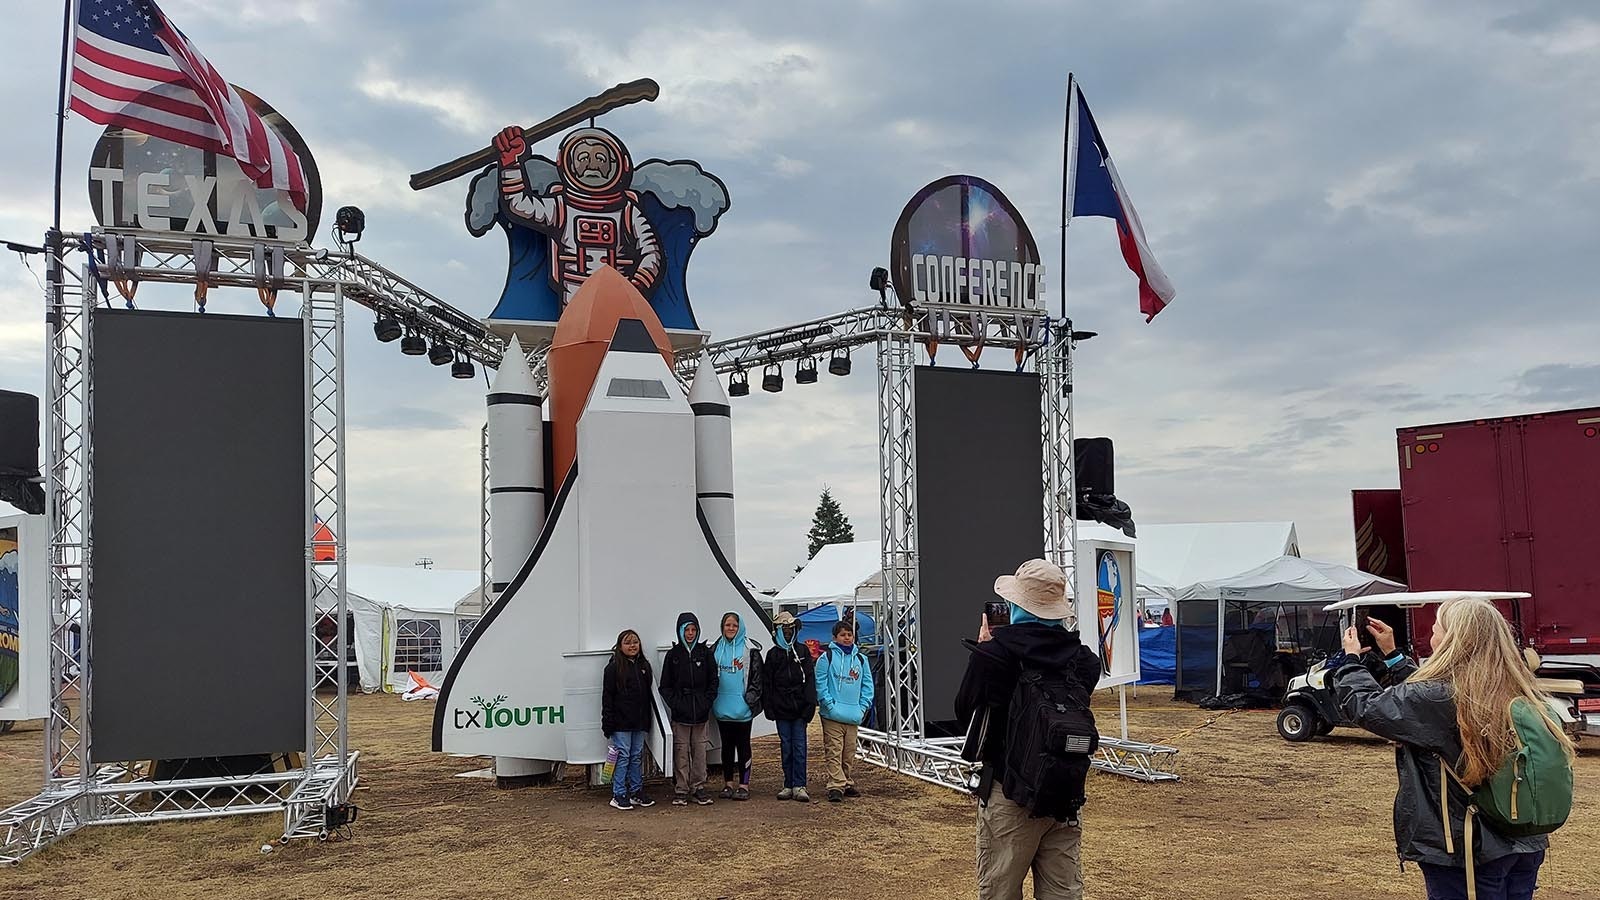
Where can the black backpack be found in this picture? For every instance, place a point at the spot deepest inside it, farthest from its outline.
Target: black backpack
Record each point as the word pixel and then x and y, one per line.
pixel 1050 740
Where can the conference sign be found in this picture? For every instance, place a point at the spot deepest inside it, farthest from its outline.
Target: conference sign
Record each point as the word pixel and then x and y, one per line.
pixel 961 243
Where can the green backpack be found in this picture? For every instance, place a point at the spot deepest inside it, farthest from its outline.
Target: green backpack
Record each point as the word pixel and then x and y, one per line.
pixel 1531 792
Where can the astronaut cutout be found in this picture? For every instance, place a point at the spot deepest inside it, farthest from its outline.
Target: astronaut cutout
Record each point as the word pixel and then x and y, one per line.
pixel 590 216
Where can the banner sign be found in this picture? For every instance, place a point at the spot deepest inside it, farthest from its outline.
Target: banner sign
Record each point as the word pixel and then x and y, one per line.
pixel 24 619
pixel 591 206
pixel 1108 621
pixel 142 181
pixel 960 242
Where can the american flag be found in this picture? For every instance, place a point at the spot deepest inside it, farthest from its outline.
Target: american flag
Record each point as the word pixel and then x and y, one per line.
pixel 134 69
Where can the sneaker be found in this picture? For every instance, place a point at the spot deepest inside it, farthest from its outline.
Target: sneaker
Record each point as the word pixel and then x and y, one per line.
pixel 835 795
pixel 642 800
pixel 702 798
pixel 786 794
pixel 680 799
pixel 621 803
pixel 801 795
pixel 727 793
pixel 741 794
pixel 850 791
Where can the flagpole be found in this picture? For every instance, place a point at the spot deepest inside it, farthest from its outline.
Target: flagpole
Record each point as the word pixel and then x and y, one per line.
pixel 1069 169
pixel 61 104
pixel 1069 177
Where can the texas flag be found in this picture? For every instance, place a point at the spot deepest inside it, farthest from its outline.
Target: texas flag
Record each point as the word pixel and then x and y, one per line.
pixel 1098 191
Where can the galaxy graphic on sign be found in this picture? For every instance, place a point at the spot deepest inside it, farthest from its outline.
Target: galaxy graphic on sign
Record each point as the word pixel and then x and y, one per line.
pixel 10 599
pixel 960 216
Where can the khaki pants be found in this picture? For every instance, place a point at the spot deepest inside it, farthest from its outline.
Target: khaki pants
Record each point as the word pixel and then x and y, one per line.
pixel 689 756
pixel 1010 843
pixel 839 747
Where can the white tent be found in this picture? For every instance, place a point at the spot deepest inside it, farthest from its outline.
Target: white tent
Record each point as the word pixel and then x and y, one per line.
pixel 408 618
pixel 1290 580
pixel 1287 581
pixel 839 573
pixel 1171 557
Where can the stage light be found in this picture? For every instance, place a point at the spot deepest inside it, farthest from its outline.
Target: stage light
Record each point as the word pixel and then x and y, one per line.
pixel 739 384
pixel 348 224
pixel 387 329
pixel 462 367
pixel 413 344
pixel 772 378
pixel 879 281
pixel 1083 335
pixel 440 353
pixel 805 371
pixel 839 364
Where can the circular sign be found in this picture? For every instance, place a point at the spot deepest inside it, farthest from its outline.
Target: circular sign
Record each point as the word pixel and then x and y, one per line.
pixel 138 180
pixel 960 242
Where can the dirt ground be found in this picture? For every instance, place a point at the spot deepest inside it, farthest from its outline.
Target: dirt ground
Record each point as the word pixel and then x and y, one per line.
pixel 1253 817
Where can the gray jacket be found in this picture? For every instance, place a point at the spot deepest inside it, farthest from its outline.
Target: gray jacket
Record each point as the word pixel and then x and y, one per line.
pixel 1420 717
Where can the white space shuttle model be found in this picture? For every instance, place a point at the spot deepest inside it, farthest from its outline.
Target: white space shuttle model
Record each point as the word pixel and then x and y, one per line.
pixel 640 530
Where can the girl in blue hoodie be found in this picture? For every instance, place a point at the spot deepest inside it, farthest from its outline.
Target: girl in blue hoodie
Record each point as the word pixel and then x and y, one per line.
pixel 737 702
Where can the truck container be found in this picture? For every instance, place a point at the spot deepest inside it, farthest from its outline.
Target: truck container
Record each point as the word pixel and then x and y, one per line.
pixel 1509 504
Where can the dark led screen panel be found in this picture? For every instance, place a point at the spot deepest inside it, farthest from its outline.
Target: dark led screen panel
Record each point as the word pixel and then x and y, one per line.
pixel 198 632
pixel 980 509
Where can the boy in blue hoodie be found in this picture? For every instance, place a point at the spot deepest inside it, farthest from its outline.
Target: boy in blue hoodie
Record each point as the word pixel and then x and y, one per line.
pixel 844 694
pixel 689 684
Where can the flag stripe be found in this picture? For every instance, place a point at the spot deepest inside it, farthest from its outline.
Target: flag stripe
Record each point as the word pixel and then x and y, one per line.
pixel 145 125
pixel 128 66
pixel 175 103
pixel 126 51
pixel 129 115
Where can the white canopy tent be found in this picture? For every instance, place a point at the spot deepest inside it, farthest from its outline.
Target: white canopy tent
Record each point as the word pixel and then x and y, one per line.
pixel 1173 556
pixel 408 618
pixel 1286 581
pixel 839 573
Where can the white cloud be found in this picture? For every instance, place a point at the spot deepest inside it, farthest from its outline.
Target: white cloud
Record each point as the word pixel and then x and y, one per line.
pixel 460 108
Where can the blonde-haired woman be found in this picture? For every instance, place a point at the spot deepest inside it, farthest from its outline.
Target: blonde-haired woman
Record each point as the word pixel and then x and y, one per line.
pixel 1457 707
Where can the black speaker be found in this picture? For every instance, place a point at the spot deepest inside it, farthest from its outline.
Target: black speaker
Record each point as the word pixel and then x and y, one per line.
pixel 1094 465
pixel 19 452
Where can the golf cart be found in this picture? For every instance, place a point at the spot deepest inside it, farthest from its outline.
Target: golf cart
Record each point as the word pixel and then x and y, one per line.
pixel 1310 707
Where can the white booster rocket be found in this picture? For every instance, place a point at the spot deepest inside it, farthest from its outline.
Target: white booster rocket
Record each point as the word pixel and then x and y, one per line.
pixel 640 530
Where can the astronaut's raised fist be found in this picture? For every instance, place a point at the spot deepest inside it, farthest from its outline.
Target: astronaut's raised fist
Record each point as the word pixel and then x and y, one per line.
pixel 510 144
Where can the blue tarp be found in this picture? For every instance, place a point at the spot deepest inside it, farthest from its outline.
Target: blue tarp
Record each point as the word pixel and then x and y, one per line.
pixel 1158 655
pixel 817 625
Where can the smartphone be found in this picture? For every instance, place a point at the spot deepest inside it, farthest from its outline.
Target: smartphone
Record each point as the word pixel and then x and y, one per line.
pixel 1362 634
pixel 998 611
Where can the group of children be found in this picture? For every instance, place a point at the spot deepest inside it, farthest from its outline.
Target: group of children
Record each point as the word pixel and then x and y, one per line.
pixel 730 681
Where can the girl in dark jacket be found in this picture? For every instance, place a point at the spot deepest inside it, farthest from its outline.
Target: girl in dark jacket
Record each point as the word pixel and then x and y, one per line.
pixel 1454 710
pixel 790 700
pixel 625 717
pixel 688 685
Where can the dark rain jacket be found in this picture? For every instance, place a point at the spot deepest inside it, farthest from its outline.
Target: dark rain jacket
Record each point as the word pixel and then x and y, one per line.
pixel 625 701
pixel 1420 717
pixel 995 666
pixel 790 691
pixel 689 677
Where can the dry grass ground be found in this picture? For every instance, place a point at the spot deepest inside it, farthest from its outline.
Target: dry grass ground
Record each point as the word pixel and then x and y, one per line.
pixel 1253 817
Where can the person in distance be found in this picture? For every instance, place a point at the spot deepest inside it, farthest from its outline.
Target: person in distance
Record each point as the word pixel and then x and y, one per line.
pixel 790 700
pixel 626 711
pixel 844 694
pixel 1467 714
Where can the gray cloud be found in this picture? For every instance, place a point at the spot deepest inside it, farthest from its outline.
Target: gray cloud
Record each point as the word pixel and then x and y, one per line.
pixel 1560 384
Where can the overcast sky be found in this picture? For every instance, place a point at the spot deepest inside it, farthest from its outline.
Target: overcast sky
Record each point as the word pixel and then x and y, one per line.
pixel 1376 215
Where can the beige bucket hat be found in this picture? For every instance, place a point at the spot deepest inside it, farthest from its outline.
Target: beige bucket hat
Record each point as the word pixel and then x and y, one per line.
pixel 1040 587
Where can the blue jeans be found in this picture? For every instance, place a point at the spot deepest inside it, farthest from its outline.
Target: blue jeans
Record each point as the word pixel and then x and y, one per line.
pixel 1511 877
pixel 792 738
pixel 628 780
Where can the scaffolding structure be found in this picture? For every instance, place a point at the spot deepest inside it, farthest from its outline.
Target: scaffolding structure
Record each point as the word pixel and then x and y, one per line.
pixel 902 337
pixel 78 792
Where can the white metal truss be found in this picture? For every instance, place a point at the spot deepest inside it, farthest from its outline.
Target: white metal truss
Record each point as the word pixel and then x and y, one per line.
pixel 485 546
pixel 75 792
pixel 897 511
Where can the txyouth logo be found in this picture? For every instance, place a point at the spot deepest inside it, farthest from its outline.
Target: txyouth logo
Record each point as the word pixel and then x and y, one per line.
pixel 493 714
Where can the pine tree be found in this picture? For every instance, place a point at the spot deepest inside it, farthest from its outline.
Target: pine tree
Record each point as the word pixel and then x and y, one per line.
pixel 828 526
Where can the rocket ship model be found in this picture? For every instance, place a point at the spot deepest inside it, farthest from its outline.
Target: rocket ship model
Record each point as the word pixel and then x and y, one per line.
pixel 640 530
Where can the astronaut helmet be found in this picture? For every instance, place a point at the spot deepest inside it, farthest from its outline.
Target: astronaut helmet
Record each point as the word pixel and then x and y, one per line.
pixel 594 161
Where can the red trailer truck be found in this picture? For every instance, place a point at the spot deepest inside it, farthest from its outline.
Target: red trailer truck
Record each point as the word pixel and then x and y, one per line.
pixel 1510 504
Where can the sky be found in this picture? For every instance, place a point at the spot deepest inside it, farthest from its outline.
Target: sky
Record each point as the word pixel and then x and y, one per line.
pixel 1376 215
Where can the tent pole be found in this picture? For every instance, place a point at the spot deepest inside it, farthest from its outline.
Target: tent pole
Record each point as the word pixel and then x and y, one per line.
pixel 1222 611
pixel 1122 703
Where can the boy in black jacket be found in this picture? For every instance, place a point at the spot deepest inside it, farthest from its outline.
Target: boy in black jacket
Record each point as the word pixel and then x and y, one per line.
pixel 625 717
pixel 790 699
pixel 689 684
